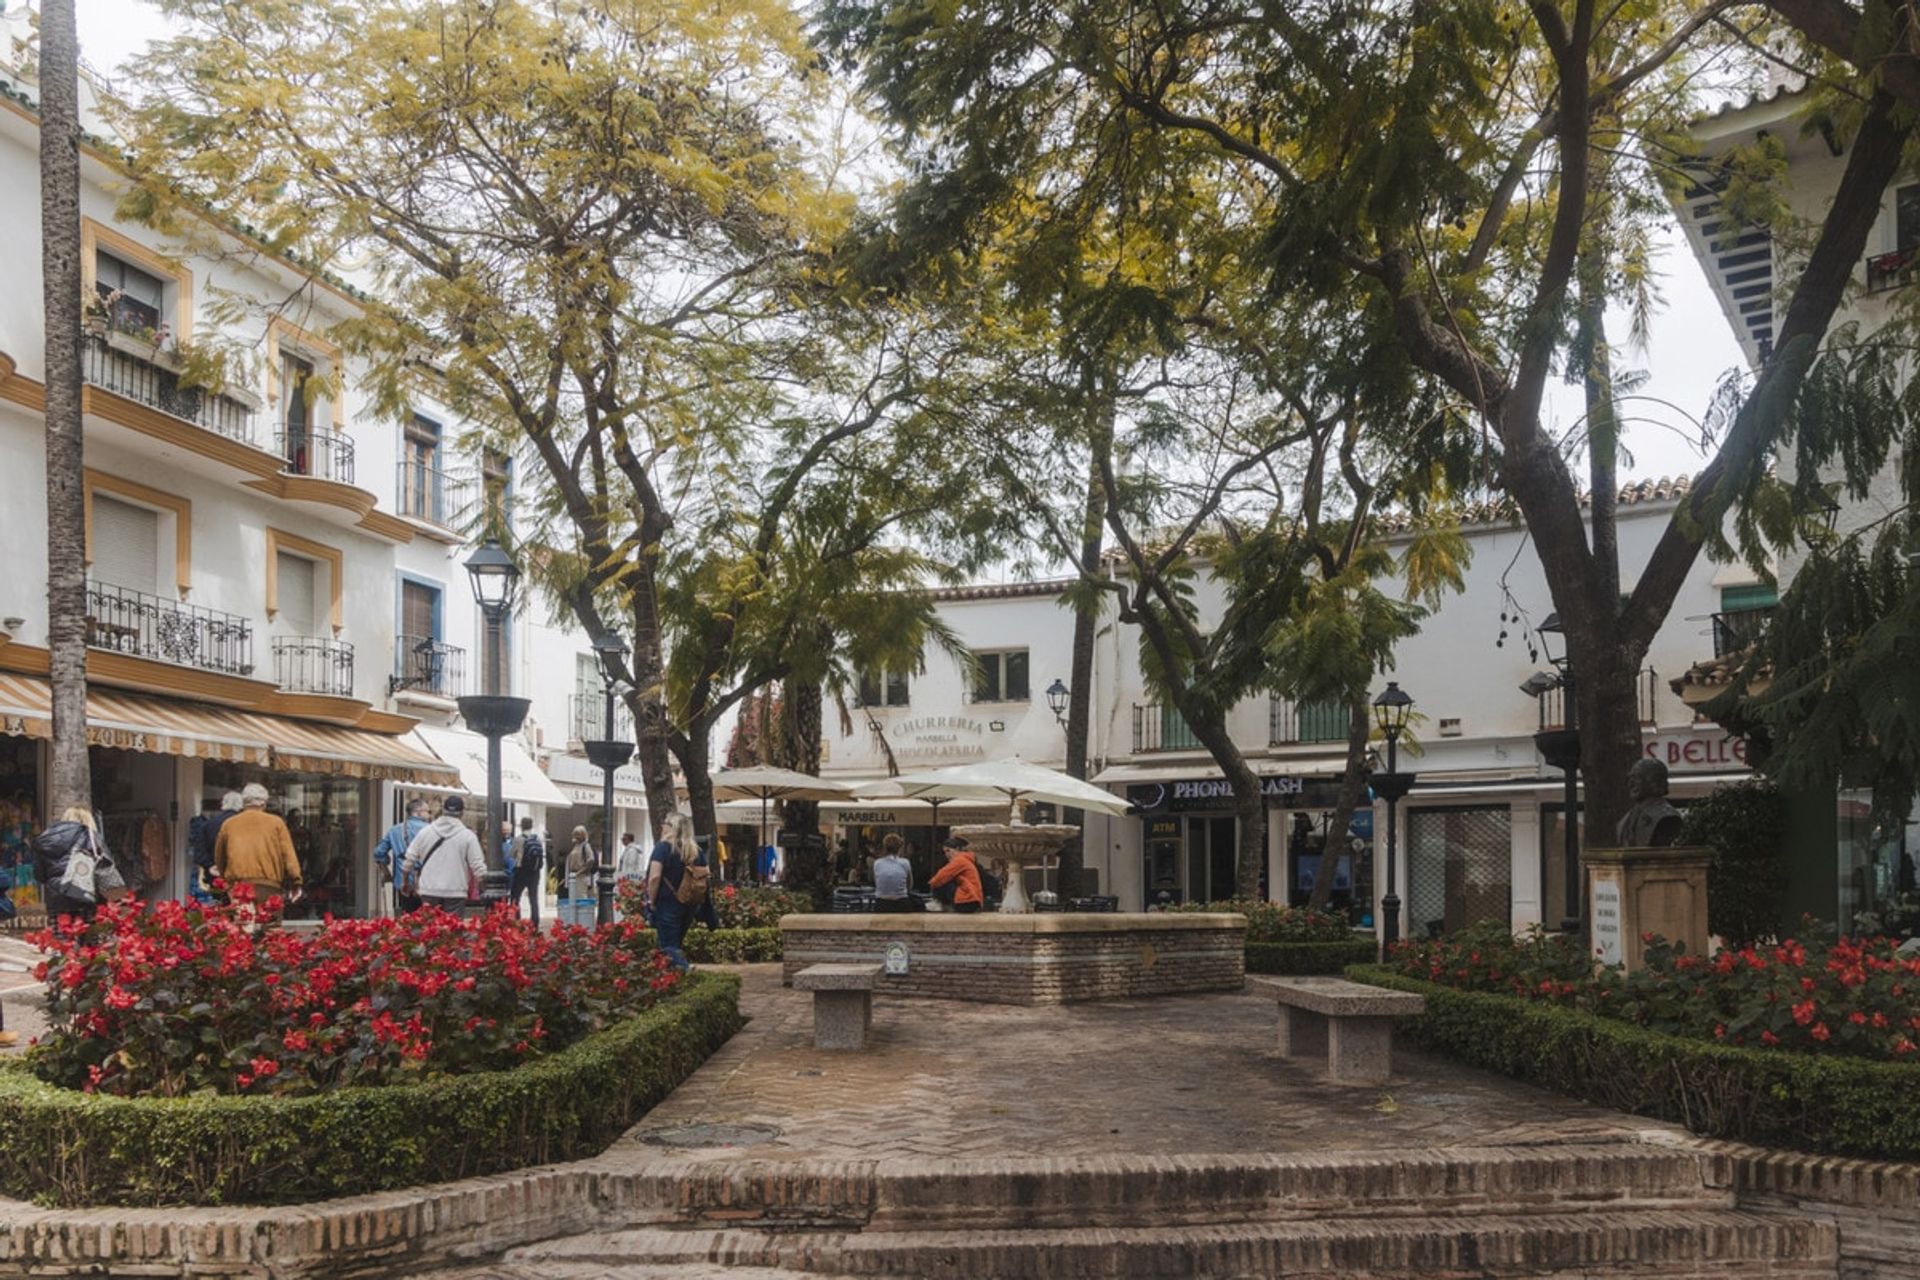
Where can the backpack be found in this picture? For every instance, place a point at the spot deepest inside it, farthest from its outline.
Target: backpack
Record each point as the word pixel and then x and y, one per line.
pixel 692 889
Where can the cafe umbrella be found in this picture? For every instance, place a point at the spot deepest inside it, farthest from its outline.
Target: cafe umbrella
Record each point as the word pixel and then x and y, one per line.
pixel 767 784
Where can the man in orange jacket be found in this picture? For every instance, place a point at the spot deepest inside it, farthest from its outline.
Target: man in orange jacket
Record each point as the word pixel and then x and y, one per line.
pixel 963 874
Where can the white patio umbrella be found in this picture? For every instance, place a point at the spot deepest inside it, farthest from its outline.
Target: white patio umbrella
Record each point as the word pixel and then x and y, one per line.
pixel 1012 778
pixel 767 784
pixel 929 787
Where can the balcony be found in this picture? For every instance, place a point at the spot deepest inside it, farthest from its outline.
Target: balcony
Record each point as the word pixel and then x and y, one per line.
pixel 434 495
pixel 587 715
pixel 1891 270
pixel 121 620
pixel 129 367
pixel 313 664
pixel 426 665
pixel 1646 689
pixel 1289 722
pixel 309 451
pixel 1739 629
pixel 1158 727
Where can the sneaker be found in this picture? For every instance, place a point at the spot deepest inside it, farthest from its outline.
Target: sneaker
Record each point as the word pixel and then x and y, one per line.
pixel 8 1039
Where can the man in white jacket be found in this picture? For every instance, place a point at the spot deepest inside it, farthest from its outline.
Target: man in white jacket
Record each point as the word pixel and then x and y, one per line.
pixel 445 858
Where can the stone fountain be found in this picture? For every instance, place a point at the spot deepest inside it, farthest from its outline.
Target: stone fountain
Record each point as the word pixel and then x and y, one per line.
pixel 1015 845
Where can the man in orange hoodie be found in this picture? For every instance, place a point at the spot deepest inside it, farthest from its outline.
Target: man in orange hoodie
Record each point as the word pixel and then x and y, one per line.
pixel 963 874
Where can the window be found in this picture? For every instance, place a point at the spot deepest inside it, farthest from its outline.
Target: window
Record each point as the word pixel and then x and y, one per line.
pixel 421 492
pixel 1755 596
pixel 1322 721
pixel 133 296
pixel 126 545
pixel 1744 614
pixel 872 694
pixel 1459 868
pixel 1002 676
pixel 296 414
pixel 1906 217
pixel 419 610
pixel 295 592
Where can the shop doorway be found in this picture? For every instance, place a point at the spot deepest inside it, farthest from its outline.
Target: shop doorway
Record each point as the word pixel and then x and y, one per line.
pixel 1459 868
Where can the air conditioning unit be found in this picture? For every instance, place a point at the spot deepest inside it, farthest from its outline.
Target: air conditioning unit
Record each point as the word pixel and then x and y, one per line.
pixel 1450 728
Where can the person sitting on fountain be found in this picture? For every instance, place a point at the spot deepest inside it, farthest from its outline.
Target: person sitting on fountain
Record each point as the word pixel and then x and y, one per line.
pixel 892 878
pixel 962 873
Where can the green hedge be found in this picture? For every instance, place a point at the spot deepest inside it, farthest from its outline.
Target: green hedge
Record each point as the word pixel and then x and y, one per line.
pixel 61 1147
pixel 1310 957
pixel 1832 1105
pixel 727 946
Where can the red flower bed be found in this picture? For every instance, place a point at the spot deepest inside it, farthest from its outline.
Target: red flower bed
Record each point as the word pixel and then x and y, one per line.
pixel 1852 996
pixel 171 998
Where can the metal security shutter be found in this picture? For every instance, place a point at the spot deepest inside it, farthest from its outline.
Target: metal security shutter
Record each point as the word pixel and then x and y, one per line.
pixel 297 591
pixel 126 545
pixel 1459 868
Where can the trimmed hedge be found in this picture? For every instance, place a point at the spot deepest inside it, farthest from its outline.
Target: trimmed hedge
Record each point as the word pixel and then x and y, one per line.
pixel 1310 957
pixel 726 946
pixel 62 1147
pixel 1822 1103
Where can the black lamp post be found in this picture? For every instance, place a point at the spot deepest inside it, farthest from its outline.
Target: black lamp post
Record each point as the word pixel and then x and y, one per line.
pixel 1390 712
pixel 607 754
pixel 496 582
pixel 1560 748
pixel 1057 695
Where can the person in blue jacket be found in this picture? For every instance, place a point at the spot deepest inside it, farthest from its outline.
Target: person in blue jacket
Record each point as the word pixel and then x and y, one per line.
pixel 390 854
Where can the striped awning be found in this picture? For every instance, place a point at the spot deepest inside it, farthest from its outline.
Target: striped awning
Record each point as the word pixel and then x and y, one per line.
pixel 169 726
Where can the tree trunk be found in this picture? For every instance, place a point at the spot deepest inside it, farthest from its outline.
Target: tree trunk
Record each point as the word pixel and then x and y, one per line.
pixel 1249 805
pixel 1353 785
pixel 648 702
pixel 695 752
pixel 69 783
pixel 800 749
pixel 1086 625
pixel 1609 723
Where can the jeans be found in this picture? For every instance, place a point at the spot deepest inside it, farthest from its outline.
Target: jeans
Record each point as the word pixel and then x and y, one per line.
pixel 670 925
pixel 892 906
pixel 966 908
pixel 527 881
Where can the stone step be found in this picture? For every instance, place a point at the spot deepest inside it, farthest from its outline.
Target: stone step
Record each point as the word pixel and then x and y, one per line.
pixel 1652 1243
pixel 1175 1190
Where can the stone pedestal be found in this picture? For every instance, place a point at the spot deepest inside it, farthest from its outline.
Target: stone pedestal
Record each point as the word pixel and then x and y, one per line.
pixel 1634 892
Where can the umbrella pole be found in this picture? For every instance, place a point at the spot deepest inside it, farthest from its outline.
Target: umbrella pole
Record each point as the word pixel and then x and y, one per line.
pixel 933 833
pixel 763 833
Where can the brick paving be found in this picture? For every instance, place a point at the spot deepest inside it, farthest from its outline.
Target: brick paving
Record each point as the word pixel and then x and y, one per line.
pixel 1179 1075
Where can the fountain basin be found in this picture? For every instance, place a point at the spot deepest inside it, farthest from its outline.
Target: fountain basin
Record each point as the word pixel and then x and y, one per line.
pixel 1015 846
pixel 1047 959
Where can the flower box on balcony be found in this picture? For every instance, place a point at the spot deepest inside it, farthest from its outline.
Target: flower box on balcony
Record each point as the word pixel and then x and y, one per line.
pixel 141 349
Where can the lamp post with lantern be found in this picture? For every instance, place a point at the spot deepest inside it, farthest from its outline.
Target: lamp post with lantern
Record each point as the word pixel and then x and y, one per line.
pixel 1057 695
pixel 496 585
pixel 607 754
pixel 1560 748
pixel 1390 712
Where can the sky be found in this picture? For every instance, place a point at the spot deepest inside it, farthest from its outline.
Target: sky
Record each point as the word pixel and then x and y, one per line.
pixel 1690 346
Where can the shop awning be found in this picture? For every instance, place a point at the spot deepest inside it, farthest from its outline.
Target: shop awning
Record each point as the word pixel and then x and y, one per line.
pixel 176 727
pixel 521 781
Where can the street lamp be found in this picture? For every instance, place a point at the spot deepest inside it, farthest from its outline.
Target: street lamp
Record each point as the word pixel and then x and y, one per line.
pixel 1057 695
pixel 496 582
pixel 607 754
pixel 1560 748
pixel 1390 712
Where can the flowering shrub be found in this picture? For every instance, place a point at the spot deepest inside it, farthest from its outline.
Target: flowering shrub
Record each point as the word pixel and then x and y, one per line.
pixel 1277 922
pixel 169 998
pixel 1852 996
pixel 738 906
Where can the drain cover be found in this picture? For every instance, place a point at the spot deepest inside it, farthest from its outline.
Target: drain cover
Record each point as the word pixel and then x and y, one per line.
pixel 714 1135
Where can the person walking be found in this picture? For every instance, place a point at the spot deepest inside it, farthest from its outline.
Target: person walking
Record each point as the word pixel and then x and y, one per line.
pixel 390 855
pixel 65 888
pixel 530 856
pixel 255 848
pixel 677 880
pixel 962 873
pixel 892 878
pixel 581 861
pixel 446 858
pixel 631 869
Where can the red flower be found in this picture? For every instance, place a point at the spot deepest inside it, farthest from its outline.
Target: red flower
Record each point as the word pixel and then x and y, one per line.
pixel 1768 1038
pixel 1803 1012
pixel 1820 1032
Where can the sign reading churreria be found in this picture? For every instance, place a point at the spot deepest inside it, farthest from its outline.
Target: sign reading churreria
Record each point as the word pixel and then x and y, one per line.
pixel 939 738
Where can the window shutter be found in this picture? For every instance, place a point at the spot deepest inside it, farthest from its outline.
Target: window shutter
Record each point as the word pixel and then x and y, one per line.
pixel 126 545
pixel 296 593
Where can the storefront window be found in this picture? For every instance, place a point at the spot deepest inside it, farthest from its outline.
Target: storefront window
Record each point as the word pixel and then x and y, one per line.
pixel 1459 868
pixel 133 794
pixel 1877 867
pixel 325 813
pixel 19 814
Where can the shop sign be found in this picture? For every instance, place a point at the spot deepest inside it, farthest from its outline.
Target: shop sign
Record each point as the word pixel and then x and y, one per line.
pixel 939 738
pixel 1191 794
pixel 1681 752
pixel 1606 921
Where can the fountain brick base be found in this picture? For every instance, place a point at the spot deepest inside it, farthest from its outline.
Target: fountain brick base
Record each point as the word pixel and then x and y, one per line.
pixel 1033 959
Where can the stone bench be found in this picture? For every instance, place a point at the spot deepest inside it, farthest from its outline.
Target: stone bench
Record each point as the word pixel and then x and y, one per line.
pixel 842 1002
pixel 1348 1024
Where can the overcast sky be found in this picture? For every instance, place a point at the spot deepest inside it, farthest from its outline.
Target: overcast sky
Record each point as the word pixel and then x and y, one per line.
pixel 1691 346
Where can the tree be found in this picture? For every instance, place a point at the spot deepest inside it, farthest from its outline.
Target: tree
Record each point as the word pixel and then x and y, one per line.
pixel 1436 169
pixel 69 783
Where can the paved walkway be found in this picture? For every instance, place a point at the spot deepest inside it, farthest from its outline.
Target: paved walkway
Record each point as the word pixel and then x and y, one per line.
pixel 1171 1076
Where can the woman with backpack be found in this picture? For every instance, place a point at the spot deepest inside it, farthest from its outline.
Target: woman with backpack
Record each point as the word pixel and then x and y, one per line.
pixel 68 858
pixel 677 880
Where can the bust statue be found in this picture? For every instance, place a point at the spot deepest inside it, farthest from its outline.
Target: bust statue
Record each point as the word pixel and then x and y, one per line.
pixel 1651 823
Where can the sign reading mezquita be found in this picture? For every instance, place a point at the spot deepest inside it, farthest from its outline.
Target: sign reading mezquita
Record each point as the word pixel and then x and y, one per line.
pixel 939 738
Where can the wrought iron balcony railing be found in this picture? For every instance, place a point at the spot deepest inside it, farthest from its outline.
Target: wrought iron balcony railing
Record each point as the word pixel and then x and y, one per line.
pixel 112 368
pixel 313 664
pixel 121 620
pixel 1891 270
pixel 1739 629
pixel 310 451
pixel 435 495
pixel 1159 727
pixel 1646 691
pixel 587 715
pixel 1289 722
pixel 426 665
